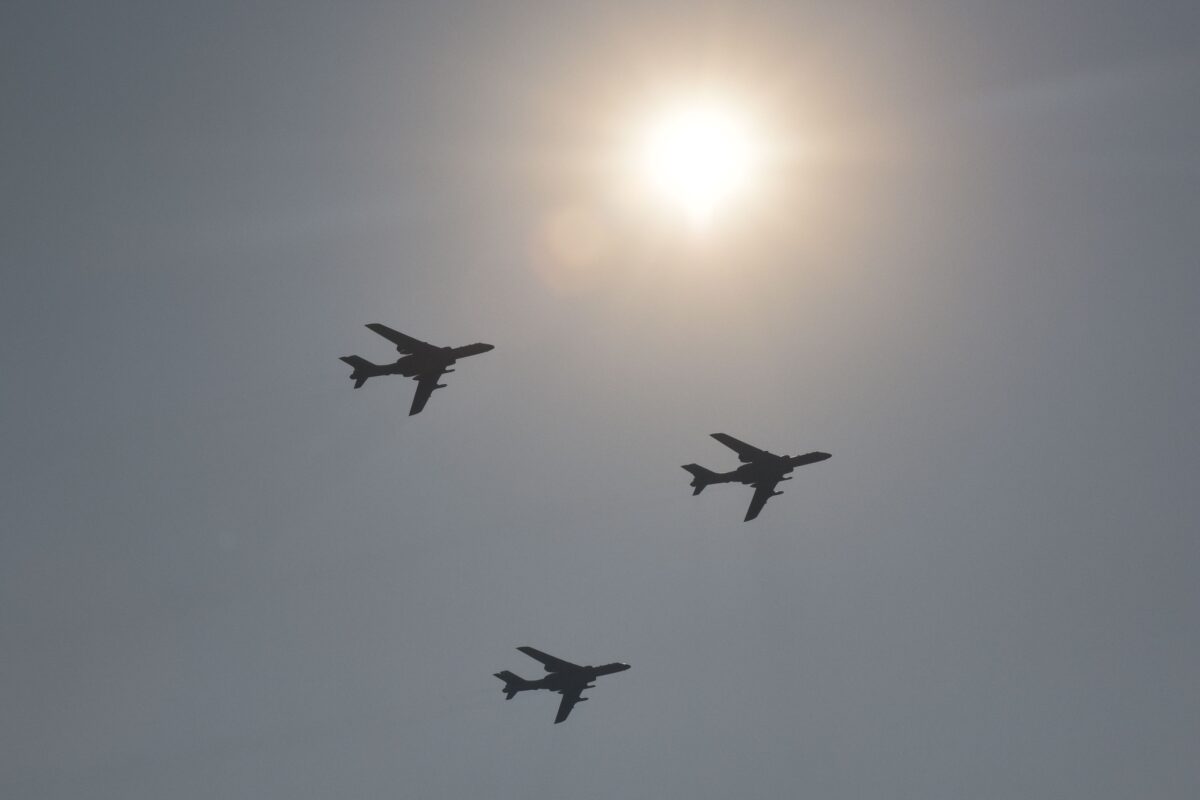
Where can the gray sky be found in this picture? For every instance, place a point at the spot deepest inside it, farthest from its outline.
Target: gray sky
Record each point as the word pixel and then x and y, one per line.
pixel 224 574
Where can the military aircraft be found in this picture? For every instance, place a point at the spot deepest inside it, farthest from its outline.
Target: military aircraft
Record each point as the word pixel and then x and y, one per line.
pixel 760 469
pixel 421 361
pixel 566 678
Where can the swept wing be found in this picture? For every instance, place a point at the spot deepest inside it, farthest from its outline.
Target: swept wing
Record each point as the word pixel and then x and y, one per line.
pixel 570 698
pixel 551 663
pixel 763 491
pixel 425 385
pixel 746 452
pixel 404 343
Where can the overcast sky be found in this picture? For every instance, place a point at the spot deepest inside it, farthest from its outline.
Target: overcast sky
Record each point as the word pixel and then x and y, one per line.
pixel 225 574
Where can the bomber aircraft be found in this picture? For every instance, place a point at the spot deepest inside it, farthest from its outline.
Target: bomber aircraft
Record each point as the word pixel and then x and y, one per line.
pixel 566 678
pixel 760 469
pixel 419 360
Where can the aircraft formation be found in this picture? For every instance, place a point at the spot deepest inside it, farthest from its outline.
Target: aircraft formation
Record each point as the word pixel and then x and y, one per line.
pixel 427 363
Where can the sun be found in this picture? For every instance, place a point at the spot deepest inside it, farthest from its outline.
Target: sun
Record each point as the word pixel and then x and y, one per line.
pixel 698 157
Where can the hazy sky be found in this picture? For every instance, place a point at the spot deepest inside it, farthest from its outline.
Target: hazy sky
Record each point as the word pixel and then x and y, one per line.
pixel 225 574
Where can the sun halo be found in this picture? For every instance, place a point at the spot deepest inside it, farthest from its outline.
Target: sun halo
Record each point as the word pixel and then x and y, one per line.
pixel 698 157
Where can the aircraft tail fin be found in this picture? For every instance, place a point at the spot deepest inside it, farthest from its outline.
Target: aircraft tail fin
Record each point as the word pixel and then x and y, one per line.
pixel 513 683
pixel 701 477
pixel 363 369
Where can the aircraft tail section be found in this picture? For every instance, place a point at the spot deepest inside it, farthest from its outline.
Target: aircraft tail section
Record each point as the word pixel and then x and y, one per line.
pixel 701 477
pixel 363 369
pixel 513 683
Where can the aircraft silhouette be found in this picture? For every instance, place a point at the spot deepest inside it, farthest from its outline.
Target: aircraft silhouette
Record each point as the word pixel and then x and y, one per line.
pixel 421 361
pixel 566 678
pixel 760 469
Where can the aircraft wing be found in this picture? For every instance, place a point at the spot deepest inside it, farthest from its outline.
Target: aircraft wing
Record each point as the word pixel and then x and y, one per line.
pixel 763 491
pixel 570 698
pixel 745 451
pixel 404 343
pixel 425 385
pixel 551 663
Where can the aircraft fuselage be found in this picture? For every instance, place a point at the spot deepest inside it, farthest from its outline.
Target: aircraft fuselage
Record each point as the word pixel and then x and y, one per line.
pixel 435 361
pixel 767 470
pixel 420 363
pixel 575 680
pixel 760 471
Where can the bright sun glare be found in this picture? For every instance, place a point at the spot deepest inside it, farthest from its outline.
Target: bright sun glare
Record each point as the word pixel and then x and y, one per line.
pixel 698 157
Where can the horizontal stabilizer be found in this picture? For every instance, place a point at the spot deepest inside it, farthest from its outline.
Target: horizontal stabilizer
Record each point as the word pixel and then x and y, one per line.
pixel 701 477
pixel 513 683
pixel 358 362
pixel 363 369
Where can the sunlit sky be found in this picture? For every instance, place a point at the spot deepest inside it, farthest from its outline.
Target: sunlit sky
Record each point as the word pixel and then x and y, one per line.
pixel 954 244
pixel 698 155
